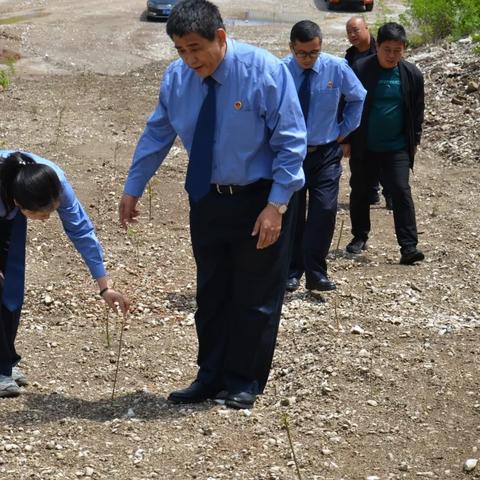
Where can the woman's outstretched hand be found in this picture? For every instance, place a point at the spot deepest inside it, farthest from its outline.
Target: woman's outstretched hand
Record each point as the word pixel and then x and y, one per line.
pixel 115 299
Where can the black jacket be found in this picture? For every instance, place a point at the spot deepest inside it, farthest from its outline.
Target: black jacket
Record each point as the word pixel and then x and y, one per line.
pixel 368 71
pixel 352 54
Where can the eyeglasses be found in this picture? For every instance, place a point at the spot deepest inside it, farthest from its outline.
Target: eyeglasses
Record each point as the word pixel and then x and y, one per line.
pixel 301 54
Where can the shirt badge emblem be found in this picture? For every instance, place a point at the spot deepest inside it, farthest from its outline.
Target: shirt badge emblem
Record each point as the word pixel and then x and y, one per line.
pixel 330 84
pixel 238 105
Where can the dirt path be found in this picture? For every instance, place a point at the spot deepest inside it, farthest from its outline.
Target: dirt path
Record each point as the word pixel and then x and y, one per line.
pixel 398 400
pixel 111 36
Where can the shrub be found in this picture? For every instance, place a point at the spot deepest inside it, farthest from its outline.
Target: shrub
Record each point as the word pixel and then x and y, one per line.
pixel 436 19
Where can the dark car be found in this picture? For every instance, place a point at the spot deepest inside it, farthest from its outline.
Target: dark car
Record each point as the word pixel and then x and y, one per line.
pixel 159 8
pixel 368 4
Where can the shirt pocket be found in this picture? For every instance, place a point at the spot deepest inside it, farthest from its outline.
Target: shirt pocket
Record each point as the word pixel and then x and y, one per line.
pixel 243 126
pixel 326 99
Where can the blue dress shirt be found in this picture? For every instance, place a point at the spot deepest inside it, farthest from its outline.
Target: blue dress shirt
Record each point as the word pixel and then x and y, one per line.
pixel 260 127
pixel 331 77
pixel 76 223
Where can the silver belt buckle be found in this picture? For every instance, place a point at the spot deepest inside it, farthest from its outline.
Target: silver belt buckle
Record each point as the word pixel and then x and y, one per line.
pixel 218 188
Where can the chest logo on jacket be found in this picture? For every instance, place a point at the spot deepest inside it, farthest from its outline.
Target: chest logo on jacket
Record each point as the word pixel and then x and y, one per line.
pixel 238 105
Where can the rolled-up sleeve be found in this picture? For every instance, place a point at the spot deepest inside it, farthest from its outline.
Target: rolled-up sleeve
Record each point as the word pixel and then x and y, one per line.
pixel 153 146
pixel 80 231
pixel 288 138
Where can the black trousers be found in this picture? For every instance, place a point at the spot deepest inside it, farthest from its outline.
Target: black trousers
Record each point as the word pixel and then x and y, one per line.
pixel 8 320
pixel 315 225
pixel 393 168
pixel 240 289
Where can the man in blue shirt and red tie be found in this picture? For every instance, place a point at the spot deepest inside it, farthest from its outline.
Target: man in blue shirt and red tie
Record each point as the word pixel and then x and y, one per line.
pixel 321 79
pixel 237 113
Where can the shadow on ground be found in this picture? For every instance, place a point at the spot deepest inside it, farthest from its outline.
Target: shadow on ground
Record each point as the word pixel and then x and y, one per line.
pixel 46 408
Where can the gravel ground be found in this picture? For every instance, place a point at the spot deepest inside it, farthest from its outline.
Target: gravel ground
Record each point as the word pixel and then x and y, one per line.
pixel 378 380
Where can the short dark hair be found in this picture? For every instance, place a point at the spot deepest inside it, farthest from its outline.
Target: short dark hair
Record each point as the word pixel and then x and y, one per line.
pixel 195 16
pixel 305 31
pixel 34 186
pixel 392 31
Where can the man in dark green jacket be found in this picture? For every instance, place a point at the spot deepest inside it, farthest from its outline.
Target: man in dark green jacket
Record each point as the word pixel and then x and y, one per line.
pixel 386 140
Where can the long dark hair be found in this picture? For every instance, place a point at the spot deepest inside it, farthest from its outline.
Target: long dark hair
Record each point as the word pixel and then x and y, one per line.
pixel 33 186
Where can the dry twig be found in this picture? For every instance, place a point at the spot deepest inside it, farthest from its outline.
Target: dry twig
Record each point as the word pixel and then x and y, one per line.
pixel 119 353
pixel 287 428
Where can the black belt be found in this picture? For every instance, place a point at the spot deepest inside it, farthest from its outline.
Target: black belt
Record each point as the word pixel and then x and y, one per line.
pixel 315 148
pixel 234 189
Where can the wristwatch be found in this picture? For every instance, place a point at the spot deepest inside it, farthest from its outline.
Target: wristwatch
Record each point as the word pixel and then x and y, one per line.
pixel 281 207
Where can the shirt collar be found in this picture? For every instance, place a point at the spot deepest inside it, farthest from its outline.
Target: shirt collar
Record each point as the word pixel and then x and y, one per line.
pixel 315 67
pixel 221 73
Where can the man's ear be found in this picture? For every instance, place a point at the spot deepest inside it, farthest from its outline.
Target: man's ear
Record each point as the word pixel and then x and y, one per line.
pixel 221 35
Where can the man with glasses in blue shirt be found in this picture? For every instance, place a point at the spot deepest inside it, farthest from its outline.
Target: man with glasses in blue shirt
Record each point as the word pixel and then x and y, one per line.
pixel 236 111
pixel 321 79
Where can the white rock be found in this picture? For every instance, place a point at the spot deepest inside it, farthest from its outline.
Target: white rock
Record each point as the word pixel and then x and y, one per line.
pixel 372 403
pixel 48 300
pixel 357 330
pixel 89 471
pixel 470 464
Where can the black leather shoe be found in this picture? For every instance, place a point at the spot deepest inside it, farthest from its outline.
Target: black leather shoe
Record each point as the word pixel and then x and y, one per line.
pixel 293 284
pixel 356 246
pixel 324 285
pixel 240 400
pixel 411 256
pixel 374 199
pixel 197 392
pixel 221 397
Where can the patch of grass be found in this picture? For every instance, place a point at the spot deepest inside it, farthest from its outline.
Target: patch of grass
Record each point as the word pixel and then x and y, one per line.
pixel 11 20
pixel 7 75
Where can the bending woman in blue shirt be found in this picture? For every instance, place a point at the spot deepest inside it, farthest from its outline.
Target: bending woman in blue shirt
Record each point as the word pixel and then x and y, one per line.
pixel 33 188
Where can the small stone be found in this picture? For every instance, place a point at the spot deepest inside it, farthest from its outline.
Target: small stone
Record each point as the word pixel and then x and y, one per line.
pixel 357 330
pixel 470 464
pixel 373 477
pixel 89 471
pixel 48 300
pixel 372 403
pixel 471 87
